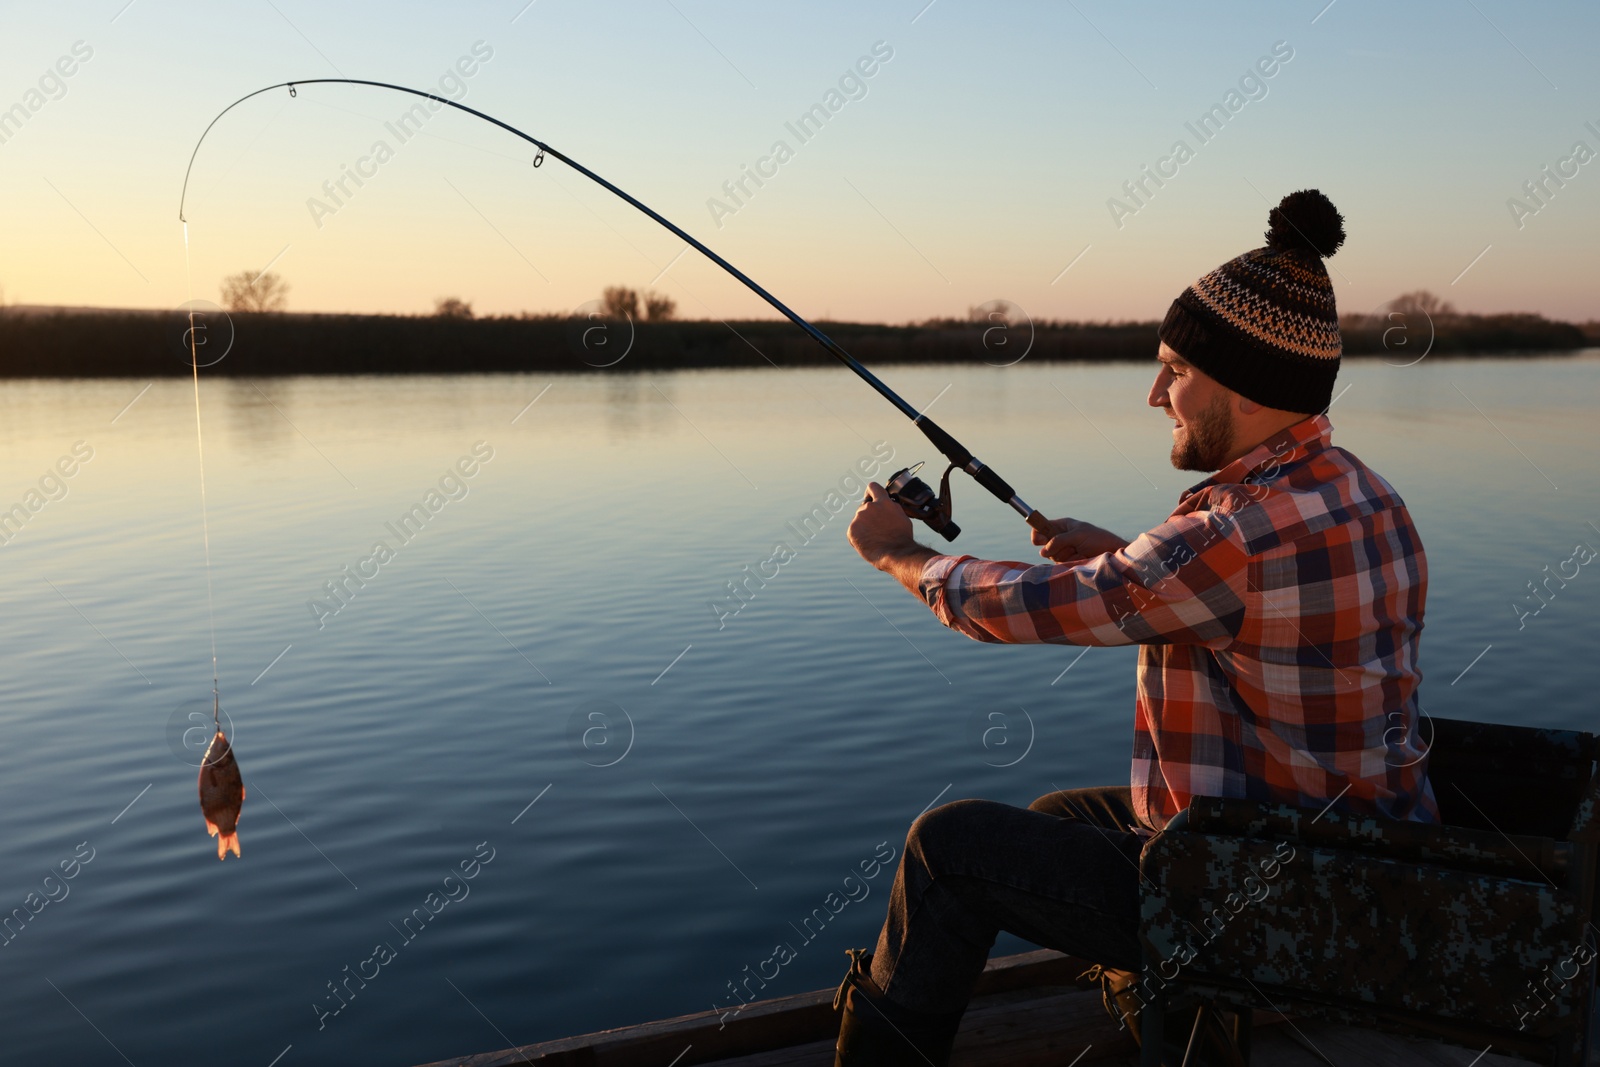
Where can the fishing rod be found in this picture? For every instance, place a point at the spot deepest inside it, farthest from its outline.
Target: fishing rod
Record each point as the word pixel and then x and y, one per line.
pixel 913 495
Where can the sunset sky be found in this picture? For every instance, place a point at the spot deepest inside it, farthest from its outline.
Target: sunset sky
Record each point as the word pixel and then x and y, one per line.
pixel 979 160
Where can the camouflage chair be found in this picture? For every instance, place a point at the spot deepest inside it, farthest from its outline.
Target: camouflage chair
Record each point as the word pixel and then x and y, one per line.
pixel 1479 932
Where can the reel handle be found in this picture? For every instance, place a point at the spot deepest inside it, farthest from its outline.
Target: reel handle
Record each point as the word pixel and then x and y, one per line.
pixel 917 499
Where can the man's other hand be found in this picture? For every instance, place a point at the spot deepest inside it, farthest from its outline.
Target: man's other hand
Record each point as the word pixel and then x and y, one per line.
pixel 880 528
pixel 1070 539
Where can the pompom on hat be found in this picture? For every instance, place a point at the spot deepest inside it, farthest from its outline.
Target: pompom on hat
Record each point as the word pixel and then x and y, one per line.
pixel 1264 324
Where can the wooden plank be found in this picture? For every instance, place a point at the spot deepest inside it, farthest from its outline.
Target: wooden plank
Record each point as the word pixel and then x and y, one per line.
pixel 1062 1027
pixel 1306 1043
pixel 1026 1013
pixel 1052 1026
pixel 761 1026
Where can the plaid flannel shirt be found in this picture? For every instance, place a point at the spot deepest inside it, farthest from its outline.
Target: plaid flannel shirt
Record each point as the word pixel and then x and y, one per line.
pixel 1277 611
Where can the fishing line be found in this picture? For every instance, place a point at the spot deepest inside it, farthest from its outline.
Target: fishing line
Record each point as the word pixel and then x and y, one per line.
pixel 200 449
pixel 953 450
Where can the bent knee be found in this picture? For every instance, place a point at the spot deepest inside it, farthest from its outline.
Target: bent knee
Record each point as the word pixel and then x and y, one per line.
pixel 952 827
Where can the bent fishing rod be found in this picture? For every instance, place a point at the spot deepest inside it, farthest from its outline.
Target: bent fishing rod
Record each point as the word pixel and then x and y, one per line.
pixel 913 495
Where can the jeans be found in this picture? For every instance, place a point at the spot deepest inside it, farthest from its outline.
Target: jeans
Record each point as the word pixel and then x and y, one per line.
pixel 1062 873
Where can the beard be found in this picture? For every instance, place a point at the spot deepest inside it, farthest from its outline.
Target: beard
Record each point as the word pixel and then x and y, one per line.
pixel 1203 443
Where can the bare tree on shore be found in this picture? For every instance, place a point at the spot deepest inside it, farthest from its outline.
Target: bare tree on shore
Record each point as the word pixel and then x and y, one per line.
pixel 619 301
pixel 255 291
pixel 1422 302
pixel 659 307
pixel 452 307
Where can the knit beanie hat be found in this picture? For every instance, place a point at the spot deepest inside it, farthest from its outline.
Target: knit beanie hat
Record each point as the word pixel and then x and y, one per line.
pixel 1264 324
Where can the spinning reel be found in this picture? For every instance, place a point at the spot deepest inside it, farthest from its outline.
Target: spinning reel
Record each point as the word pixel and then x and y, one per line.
pixel 918 500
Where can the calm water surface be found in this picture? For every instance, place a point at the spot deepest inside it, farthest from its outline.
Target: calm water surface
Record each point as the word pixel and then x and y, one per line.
pixel 548 638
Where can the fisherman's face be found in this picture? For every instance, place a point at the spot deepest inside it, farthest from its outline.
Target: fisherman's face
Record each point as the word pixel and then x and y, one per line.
pixel 1201 410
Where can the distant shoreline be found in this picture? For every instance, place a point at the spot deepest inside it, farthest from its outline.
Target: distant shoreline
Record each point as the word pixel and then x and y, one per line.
pixel 95 343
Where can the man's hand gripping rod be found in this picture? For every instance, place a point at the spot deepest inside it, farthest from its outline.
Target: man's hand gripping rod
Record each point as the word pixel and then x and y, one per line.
pixel 959 457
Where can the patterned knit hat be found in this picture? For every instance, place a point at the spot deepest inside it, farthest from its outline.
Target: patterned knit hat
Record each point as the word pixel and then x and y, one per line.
pixel 1264 324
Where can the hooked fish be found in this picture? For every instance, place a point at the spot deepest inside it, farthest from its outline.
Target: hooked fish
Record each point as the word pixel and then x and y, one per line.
pixel 221 794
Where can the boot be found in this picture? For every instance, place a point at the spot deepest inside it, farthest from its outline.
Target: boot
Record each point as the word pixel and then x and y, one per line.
pixel 876 1032
pixel 1211 1041
pixel 1119 993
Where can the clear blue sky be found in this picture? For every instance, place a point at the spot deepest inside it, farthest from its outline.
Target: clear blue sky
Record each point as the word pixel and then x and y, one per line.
pixel 974 164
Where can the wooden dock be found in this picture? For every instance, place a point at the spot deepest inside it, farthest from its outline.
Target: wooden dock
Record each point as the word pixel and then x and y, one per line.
pixel 1028 1010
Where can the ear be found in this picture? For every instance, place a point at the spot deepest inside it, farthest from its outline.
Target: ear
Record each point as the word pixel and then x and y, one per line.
pixel 1248 406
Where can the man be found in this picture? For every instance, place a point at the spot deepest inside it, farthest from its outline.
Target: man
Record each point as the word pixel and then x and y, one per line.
pixel 1277 610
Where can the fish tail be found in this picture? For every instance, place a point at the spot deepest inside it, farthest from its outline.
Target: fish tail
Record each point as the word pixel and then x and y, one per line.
pixel 226 842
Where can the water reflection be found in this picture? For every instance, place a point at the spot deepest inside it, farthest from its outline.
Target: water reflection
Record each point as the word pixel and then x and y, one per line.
pixel 395 738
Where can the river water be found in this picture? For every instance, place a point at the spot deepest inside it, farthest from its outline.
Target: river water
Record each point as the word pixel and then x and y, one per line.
pixel 651 792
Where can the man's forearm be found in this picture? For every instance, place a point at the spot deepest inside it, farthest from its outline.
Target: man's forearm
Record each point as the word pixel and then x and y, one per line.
pixel 881 532
pixel 905 565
